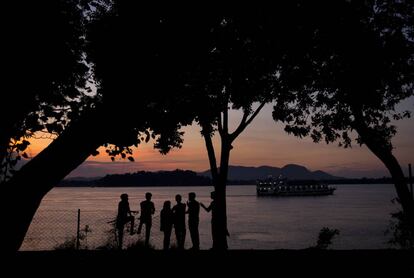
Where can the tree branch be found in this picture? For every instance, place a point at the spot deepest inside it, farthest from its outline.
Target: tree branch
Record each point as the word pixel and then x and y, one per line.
pixel 240 128
pixel 210 150
pixel 245 122
pixel 226 119
pixel 220 126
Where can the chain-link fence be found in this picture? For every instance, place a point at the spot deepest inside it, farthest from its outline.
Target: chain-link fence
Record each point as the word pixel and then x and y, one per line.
pixel 64 229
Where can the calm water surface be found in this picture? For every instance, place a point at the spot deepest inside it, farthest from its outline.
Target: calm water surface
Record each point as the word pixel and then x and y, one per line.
pixel 360 212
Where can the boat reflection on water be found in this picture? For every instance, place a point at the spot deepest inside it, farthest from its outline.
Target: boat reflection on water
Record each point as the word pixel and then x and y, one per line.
pixel 282 187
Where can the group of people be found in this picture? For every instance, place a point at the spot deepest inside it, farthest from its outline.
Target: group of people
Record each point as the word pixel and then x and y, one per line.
pixel 170 217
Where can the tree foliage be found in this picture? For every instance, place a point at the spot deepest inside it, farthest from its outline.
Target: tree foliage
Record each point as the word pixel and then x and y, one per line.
pixel 362 65
pixel 362 62
pixel 45 81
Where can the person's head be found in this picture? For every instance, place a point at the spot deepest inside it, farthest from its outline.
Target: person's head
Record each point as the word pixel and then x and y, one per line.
pixel 167 205
pixel 213 195
pixel 148 196
pixel 178 198
pixel 191 196
pixel 124 197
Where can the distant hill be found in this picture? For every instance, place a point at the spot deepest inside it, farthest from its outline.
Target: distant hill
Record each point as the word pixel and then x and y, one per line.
pixel 143 178
pixel 238 175
pixel 290 171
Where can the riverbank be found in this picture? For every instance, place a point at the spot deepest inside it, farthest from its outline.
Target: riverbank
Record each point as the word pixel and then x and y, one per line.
pixel 208 263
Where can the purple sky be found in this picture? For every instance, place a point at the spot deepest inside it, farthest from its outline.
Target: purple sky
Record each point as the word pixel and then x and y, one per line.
pixel 264 143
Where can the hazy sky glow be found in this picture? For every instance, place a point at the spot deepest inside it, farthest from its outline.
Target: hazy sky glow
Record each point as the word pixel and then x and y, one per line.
pixel 263 143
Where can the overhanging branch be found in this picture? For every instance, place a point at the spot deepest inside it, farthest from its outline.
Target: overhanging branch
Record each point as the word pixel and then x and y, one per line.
pixel 245 122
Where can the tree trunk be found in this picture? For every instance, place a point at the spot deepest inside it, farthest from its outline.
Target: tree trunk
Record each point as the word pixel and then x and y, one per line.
pixel 398 177
pixel 4 144
pixel 220 222
pixel 219 218
pixel 3 148
pixel 29 185
pixel 384 153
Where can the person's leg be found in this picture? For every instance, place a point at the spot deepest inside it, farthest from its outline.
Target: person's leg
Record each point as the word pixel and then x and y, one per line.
pixel 183 237
pixel 120 231
pixel 196 241
pixel 147 233
pixel 139 227
pixel 192 235
pixel 132 220
pixel 164 242
pixel 167 238
pixel 177 234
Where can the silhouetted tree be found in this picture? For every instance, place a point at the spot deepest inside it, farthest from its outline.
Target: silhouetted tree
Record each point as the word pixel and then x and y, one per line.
pixel 130 101
pixel 44 73
pixel 325 237
pixel 257 55
pixel 362 67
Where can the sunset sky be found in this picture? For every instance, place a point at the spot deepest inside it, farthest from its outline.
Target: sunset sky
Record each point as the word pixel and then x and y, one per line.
pixel 263 143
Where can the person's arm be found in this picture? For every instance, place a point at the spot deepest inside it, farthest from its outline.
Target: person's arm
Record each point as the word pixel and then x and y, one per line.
pixel 206 208
pixel 129 210
pixel 153 208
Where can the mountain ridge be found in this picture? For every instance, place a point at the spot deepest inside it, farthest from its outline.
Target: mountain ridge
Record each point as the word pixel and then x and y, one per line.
pixel 290 171
pixel 237 175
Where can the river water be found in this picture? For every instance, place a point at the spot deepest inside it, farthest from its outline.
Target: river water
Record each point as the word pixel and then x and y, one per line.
pixel 361 212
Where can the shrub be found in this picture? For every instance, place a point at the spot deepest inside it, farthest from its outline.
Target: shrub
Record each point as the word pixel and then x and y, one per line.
pixel 325 237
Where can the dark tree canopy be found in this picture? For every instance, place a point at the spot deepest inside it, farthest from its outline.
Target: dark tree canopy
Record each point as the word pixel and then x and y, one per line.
pixel 362 60
pixel 44 70
pixel 362 66
pixel 138 63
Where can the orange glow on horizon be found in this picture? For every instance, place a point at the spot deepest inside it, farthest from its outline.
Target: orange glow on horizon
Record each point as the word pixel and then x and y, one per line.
pixel 263 143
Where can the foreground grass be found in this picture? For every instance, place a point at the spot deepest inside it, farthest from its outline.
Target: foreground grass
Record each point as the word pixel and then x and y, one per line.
pixel 267 262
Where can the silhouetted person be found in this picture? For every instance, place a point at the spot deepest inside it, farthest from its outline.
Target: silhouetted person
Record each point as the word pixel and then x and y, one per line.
pixel 147 210
pixel 124 216
pixel 179 222
pixel 193 210
pixel 214 219
pixel 166 219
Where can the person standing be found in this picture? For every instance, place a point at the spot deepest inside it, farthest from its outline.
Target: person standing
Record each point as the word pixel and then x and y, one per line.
pixel 123 217
pixel 214 219
pixel 179 222
pixel 147 210
pixel 166 219
pixel 193 210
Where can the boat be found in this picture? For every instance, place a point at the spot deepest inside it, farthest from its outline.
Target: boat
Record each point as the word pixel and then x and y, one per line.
pixel 282 187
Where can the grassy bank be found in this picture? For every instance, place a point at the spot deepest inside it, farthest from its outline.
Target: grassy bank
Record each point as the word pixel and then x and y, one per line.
pixel 259 262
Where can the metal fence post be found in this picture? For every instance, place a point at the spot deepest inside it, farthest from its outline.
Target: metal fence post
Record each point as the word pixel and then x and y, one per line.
pixel 78 232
